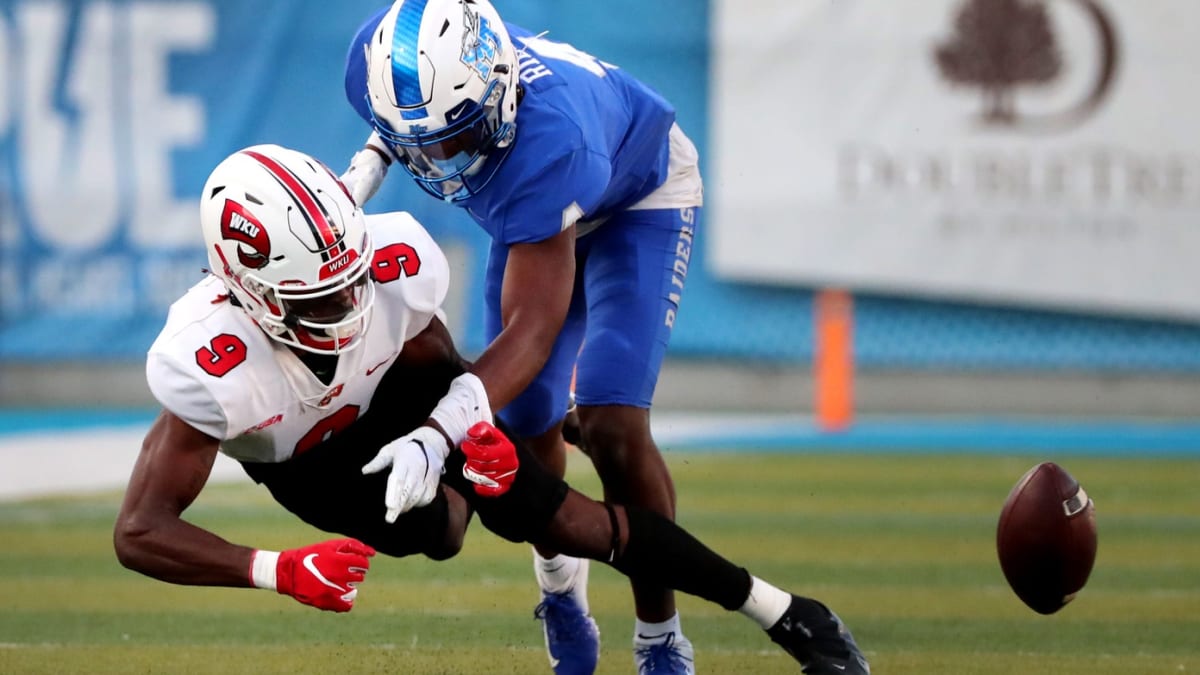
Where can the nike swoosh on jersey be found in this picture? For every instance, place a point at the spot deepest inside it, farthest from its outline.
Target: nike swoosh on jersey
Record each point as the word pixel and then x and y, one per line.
pixel 379 365
pixel 312 568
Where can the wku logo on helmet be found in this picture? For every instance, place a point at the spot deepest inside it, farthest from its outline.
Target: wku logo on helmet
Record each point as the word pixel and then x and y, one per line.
pixel 337 265
pixel 238 224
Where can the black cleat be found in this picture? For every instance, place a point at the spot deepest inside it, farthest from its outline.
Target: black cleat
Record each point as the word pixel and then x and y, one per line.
pixel 818 639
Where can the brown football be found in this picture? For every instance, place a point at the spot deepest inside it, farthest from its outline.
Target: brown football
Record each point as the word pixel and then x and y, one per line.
pixel 1046 538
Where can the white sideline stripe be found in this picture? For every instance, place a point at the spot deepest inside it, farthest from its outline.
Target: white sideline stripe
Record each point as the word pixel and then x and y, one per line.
pixel 32 645
pixel 48 463
pixel 70 462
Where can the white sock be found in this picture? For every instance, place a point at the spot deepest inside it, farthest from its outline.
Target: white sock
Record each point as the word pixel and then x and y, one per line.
pixel 766 603
pixel 563 574
pixel 645 633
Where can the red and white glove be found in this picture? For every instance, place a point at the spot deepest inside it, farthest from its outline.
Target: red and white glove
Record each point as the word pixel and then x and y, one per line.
pixel 491 460
pixel 324 575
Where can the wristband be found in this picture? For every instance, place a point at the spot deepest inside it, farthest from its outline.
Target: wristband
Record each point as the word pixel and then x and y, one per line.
pixel 262 569
pixel 462 407
pixel 374 142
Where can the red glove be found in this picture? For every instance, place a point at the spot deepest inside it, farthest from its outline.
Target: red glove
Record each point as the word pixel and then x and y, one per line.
pixel 324 575
pixel 491 460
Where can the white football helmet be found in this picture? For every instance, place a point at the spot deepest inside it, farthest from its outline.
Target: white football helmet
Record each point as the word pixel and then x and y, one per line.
pixel 442 90
pixel 291 247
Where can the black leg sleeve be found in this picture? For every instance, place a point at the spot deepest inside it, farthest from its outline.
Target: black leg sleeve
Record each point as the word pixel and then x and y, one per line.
pixel 661 552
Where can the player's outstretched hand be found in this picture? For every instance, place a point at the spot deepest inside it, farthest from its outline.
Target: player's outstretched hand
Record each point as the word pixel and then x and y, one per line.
pixel 491 460
pixel 417 460
pixel 324 575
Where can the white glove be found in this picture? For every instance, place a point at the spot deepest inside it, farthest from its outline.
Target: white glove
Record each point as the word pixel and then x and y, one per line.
pixel 464 405
pixel 367 170
pixel 417 460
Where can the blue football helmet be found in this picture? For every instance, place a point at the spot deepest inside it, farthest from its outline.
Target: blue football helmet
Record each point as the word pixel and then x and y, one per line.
pixel 442 91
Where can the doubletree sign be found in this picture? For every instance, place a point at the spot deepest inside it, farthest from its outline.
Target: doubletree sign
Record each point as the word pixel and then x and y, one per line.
pixel 998 46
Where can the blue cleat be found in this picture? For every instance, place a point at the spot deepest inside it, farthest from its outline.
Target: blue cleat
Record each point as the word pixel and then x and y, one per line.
pixel 572 637
pixel 672 655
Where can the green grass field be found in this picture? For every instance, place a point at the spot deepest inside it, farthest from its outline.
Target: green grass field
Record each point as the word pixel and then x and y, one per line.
pixel 901 546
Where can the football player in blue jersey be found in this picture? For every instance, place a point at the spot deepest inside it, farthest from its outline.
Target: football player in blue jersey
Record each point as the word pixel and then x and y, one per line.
pixel 592 196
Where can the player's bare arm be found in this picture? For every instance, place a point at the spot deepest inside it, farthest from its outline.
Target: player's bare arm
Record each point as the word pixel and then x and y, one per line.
pixel 151 536
pixel 536 293
pixel 432 347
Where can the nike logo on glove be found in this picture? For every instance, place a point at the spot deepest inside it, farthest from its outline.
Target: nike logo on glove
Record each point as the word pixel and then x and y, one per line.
pixel 312 568
pixel 478 478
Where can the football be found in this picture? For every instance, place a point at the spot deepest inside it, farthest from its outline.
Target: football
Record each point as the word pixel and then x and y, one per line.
pixel 1046 538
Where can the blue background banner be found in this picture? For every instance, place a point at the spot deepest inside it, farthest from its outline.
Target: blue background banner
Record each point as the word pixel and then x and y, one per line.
pixel 113 112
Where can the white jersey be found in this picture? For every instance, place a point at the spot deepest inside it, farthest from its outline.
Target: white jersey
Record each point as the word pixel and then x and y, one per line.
pixel 213 367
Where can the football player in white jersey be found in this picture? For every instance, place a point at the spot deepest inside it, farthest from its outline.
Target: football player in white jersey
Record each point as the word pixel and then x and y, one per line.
pixel 315 348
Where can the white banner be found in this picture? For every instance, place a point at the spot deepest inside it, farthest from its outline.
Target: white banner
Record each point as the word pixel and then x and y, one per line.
pixel 1040 152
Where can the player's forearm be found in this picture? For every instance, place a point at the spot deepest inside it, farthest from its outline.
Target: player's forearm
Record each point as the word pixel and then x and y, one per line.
pixel 516 356
pixel 535 297
pixel 178 552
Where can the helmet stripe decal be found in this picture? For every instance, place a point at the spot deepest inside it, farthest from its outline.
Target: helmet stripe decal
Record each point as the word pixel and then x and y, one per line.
pixel 324 232
pixel 406 81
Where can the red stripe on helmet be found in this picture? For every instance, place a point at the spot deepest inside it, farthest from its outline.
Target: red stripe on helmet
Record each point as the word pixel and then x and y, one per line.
pixel 324 230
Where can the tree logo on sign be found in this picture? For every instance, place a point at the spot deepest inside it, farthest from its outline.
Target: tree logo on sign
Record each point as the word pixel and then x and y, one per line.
pixel 1000 46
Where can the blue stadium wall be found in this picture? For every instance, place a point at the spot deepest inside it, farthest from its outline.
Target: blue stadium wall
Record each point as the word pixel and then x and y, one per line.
pixel 273 74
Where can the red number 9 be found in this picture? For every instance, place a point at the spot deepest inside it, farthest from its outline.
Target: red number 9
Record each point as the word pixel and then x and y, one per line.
pixel 221 355
pixel 392 261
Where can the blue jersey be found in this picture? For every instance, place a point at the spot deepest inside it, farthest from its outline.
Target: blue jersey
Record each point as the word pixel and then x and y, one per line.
pixel 591 140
